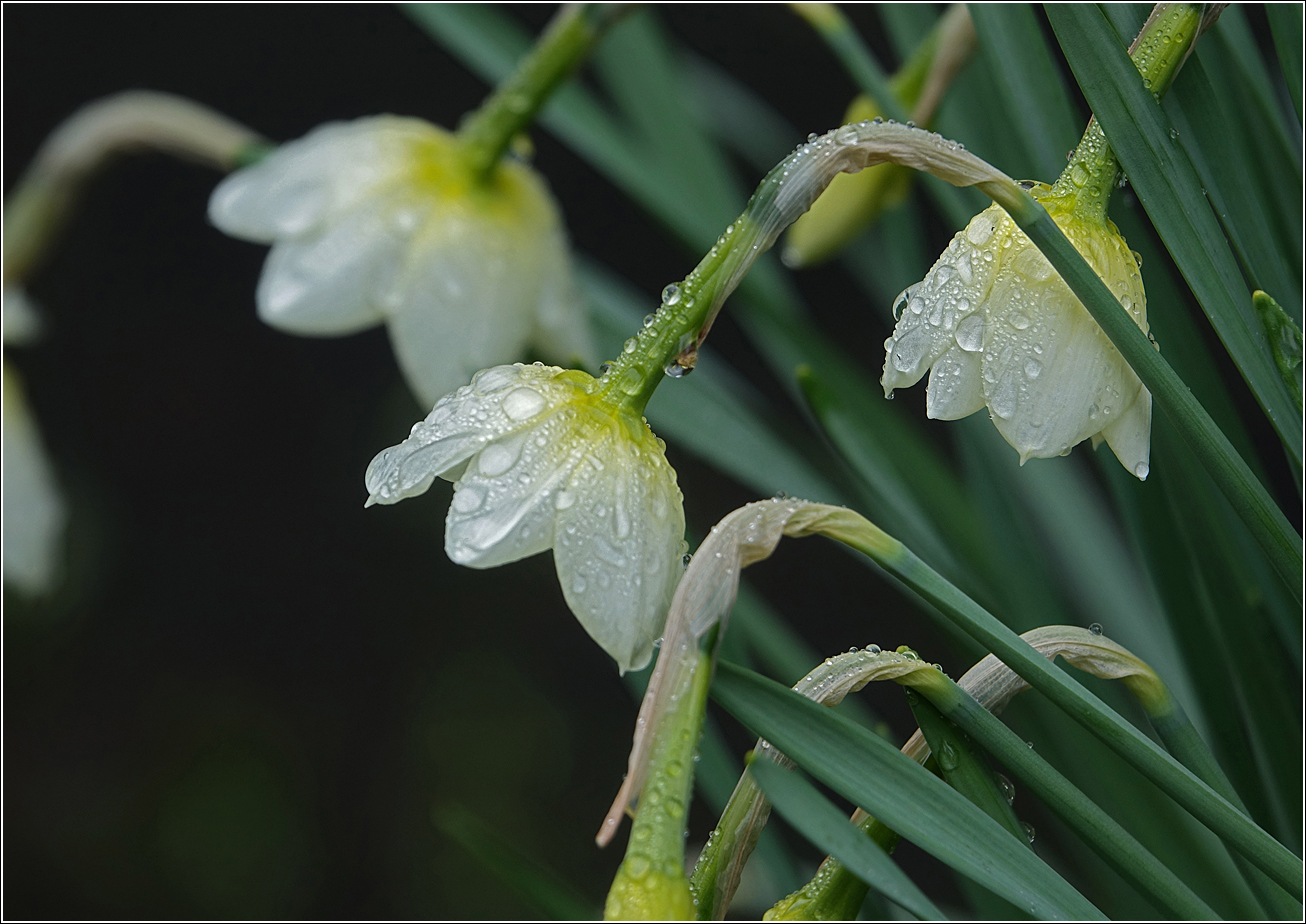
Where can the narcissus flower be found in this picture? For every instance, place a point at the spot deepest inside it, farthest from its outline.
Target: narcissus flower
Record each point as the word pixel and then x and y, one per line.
pixel 542 459
pixel 996 326
pixel 383 219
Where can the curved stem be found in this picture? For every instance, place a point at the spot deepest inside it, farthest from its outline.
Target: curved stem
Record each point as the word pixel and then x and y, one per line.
pixel 567 40
pixel 133 120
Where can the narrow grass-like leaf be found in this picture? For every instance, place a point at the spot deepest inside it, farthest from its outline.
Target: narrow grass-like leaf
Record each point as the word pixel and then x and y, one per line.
pixel 1108 838
pixel 1286 24
pixel 736 116
pixel 531 881
pixel 1171 192
pixel 1203 128
pixel 894 788
pixel 1085 708
pixel 822 823
pixel 1028 82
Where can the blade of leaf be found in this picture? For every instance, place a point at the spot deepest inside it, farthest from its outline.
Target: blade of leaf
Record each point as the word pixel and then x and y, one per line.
pixel 1170 190
pixel 821 822
pixel 1286 24
pixel 1028 82
pixel 894 788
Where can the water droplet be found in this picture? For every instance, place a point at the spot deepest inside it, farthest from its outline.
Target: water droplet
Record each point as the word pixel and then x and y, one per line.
pixel 948 759
pixel 670 295
pixel 1032 368
pixel 564 499
pixel 1008 788
pixel 908 351
pixel 1018 320
pixel 1078 175
pixel 1095 629
pixel 873 649
pixel 1174 134
pixel 1029 831
pixel 497 458
pixel 979 231
pixel 523 403
pixel 1141 471
pixel 970 333
pixel 637 866
pixel 603 368
pixel 629 345
pixel 686 559
pixel 467 498
pixel 648 320
pixel 578 584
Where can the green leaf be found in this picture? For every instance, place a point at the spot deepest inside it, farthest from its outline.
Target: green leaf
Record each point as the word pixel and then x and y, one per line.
pixel 1170 190
pixel 822 823
pixel 1285 341
pixel 904 795
pixel 1286 24
pixel 533 882
pixel 1029 84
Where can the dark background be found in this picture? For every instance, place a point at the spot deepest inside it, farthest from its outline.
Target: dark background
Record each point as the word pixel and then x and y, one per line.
pixel 251 695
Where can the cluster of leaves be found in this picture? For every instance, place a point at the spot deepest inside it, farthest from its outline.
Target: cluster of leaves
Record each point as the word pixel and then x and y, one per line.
pixel 1167 565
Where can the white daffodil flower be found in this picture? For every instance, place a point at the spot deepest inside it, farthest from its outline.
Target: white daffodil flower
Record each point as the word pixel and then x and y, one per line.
pixel 996 326
pixel 382 220
pixel 34 512
pixel 541 459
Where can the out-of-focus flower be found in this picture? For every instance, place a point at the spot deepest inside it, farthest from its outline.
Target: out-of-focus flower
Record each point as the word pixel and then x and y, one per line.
pixel 383 220
pixel 543 459
pixel 996 326
pixel 34 513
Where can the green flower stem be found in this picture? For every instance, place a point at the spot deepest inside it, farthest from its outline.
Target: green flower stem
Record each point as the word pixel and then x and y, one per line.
pixel 133 120
pixel 1180 737
pixel 568 39
pixel 651 883
pixel 1137 749
pixel 1102 833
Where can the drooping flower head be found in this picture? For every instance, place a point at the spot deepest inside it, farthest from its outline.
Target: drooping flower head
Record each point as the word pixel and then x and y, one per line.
pixel 542 459
pixel 384 219
pixel 996 326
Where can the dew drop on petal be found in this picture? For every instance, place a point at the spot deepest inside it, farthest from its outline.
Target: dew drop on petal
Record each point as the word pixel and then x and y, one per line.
pixel 908 351
pixel 970 334
pixel 523 403
pixel 564 499
pixel 496 459
pixel 1018 320
pixel 1032 368
pixel 467 498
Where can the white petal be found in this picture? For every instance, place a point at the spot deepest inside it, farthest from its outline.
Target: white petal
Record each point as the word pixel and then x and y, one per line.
pixel 1130 436
pixel 305 182
pixel 466 301
pixel 562 327
pixel 1051 378
pixel 617 545
pixel 954 390
pixel 457 428
pixel 932 310
pixel 34 512
pixel 322 284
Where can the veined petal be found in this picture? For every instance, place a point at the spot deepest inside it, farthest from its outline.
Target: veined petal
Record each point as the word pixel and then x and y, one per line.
pixel 465 300
pixel 562 328
pixel 930 313
pixel 321 284
pixel 618 539
pixel 307 181
pixel 1051 377
pixel 495 404
pixel 955 390
pixel 1130 436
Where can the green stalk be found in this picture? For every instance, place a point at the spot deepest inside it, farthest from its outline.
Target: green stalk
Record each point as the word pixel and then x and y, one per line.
pixel 568 39
pixel 1101 832
pixel 650 883
pixel 1138 750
